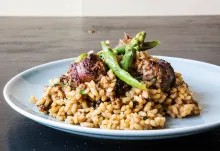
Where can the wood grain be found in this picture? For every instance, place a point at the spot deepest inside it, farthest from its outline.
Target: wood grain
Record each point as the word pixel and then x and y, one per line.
pixel 26 42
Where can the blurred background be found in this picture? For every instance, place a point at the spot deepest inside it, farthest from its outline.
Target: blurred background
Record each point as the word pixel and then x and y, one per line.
pixel 109 8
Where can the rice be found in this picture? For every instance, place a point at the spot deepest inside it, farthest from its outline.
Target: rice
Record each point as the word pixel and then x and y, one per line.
pixel 93 104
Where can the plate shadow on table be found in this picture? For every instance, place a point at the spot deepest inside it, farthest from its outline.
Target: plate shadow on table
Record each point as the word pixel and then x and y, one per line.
pixel 27 135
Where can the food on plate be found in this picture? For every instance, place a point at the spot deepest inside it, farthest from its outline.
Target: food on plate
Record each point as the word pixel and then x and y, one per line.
pixel 121 88
pixel 88 69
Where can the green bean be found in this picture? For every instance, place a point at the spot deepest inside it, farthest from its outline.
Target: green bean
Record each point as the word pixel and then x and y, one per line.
pixel 111 61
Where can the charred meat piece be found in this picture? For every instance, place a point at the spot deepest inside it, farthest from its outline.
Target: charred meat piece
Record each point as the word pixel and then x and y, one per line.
pixel 169 78
pixel 121 88
pixel 160 73
pixel 73 75
pixel 90 68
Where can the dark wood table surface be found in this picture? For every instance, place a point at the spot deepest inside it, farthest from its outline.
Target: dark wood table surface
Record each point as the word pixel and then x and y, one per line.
pixel 27 42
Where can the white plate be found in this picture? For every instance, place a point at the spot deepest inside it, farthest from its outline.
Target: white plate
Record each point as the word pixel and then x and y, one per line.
pixel 203 79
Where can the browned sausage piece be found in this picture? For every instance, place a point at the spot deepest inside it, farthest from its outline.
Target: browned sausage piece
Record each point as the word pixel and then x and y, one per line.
pixel 91 68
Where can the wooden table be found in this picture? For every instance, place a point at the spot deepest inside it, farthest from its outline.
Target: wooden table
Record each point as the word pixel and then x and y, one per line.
pixel 27 42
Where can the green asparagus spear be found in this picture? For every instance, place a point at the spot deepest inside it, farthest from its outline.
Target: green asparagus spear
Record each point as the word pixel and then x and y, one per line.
pixel 119 50
pixel 146 46
pixel 127 59
pixel 150 45
pixel 111 61
pixel 135 44
pixel 137 41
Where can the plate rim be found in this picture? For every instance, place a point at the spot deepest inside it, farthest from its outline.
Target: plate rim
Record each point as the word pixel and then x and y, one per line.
pixel 104 132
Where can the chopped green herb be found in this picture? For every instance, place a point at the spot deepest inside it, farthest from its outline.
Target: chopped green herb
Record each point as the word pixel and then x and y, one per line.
pixel 83 92
pixel 56 84
pixel 62 84
pixel 153 79
pixel 66 84
pixel 81 57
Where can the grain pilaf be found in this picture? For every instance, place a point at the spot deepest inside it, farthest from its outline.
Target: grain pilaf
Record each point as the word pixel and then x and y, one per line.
pixel 84 98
